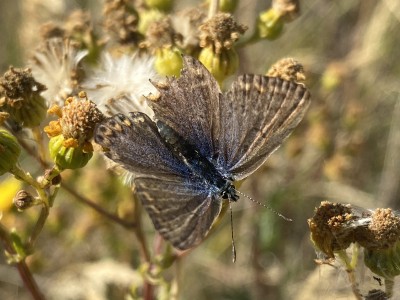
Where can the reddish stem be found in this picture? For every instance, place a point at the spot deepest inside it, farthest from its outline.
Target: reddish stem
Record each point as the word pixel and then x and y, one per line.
pixel 24 272
pixel 29 281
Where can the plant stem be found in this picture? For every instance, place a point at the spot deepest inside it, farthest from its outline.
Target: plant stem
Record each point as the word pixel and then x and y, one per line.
pixel 25 176
pixel 213 8
pixel 100 210
pixel 139 232
pixel 148 288
pixel 25 273
pixel 44 213
pixel 350 265
pixel 39 141
pixel 27 148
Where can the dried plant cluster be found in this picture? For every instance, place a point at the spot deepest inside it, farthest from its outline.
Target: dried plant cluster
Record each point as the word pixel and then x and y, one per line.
pixel 67 68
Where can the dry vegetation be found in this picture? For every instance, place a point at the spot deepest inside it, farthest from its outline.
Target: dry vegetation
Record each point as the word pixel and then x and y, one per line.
pixel 345 150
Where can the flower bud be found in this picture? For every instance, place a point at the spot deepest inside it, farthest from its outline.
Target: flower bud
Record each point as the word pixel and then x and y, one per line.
pixel 220 65
pixel 146 18
pixel 384 262
pixel 163 5
pixel 9 151
pixel 168 61
pixel 269 25
pixel 53 175
pixel 67 157
pixel 24 200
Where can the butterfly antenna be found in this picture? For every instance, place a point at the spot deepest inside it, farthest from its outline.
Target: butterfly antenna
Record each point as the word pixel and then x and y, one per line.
pixel 233 240
pixel 268 207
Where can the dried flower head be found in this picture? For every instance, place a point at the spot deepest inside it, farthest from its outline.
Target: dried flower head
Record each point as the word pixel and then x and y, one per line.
pixel 56 64
pixel 381 229
pixel 287 69
pixel 20 97
pixel 18 85
pixel 51 30
pixel 121 21
pixel 330 227
pixel 220 32
pixel 77 25
pixel 186 23
pixel 160 34
pixel 119 83
pixel 380 237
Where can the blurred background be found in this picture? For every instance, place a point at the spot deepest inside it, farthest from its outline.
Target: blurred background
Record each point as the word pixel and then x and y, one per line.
pixel 345 150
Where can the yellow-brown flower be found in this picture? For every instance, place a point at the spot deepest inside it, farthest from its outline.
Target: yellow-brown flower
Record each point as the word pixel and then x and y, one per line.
pixel 70 145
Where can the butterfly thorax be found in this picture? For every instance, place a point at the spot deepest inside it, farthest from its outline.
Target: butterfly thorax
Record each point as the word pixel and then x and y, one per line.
pixel 199 164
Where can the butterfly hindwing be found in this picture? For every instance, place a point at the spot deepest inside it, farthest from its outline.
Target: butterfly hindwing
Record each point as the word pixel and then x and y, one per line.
pixel 179 203
pixel 182 210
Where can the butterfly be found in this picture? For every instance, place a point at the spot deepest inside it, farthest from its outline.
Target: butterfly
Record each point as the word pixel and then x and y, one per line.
pixel 201 141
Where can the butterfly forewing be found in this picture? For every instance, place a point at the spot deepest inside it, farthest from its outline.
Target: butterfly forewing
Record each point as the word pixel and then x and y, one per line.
pixel 260 112
pixel 190 105
pixel 182 210
pixel 135 143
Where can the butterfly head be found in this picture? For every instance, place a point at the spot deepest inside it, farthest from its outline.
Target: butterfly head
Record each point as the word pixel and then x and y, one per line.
pixel 229 192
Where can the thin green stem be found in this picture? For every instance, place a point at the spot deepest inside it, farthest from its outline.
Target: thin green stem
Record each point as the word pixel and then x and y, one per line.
pixel 20 174
pixel 44 213
pixel 350 265
pixel 26 177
